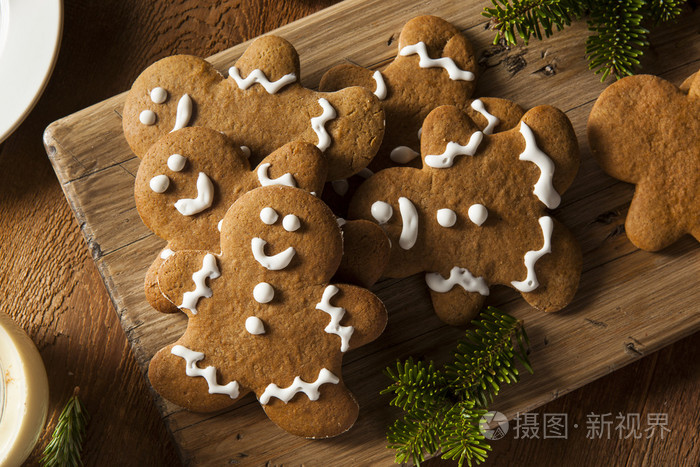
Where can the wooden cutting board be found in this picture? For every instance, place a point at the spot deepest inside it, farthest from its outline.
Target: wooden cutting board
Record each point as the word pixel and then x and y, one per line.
pixel 630 302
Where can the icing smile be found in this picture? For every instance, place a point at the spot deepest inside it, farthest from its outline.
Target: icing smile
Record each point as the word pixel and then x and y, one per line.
pixel 273 263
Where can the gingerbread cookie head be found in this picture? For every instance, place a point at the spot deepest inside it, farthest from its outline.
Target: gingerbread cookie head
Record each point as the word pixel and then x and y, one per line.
pixel 435 66
pixel 646 131
pixel 187 181
pixel 263 317
pixel 476 214
pixel 261 105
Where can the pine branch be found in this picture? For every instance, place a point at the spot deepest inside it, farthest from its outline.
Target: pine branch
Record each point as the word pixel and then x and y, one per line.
pixel 67 438
pixel 443 407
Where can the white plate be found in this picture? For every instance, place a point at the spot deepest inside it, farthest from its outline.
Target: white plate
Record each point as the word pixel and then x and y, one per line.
pixel 30 34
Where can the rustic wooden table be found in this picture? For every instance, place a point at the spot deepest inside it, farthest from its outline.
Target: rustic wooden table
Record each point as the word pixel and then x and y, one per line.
pixel 51 287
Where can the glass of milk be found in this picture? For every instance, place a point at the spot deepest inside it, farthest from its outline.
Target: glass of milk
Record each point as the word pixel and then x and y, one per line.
pixel 24 393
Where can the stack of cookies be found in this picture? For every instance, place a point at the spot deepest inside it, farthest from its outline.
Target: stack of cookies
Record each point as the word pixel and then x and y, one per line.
pixel 237 175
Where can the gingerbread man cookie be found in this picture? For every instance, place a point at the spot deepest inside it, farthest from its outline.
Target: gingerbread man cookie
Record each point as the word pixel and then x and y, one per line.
pixel 435 66
pixel 476 214
pixel 264 318
pixel 646 131
pixel 261 105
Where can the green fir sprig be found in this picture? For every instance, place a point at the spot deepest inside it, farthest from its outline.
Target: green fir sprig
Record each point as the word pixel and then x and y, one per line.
pixel 443 406
pixel 618 33
pixel 67 438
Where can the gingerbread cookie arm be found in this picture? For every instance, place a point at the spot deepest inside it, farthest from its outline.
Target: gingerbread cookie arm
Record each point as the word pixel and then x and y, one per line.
pixel 332 413
pixel 366 252
pixel 557 272
pixel 457 307
pixel 651 224
pixel 347 74
pixel 296 164
pixel 185 279
pixel 153 294
pixel 691 85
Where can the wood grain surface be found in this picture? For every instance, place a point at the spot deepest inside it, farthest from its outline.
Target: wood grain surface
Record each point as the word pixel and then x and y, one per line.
pixel 52 289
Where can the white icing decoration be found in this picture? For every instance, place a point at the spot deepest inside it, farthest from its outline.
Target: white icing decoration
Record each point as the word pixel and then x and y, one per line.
pixel 258 76
pixel 246 151
pixel 318 124
pixel 254 325
pixel 382 211
pixel 491 120
pixel 291 223
pixel 209 373
pixel 158 95
pixel 159 183
pixel 340 221
pixel 209 271
pixel 310 389
pixel 446 217
pixel 478 213
pixel 147 117
pixel 454 149
pixel 273 263
pixel 380 90
pixel 286 179
pixel 313 193
pixel 409 218
pixel 365 173
pixel 453 71
pixel 268 216
pixel 420 132
pixel 166 253
pixel 403 154
pixel 218 226
pixel 340 186
pixel 263 292
pixel 458 276
pixel 176 162
pixel 184 113
pixel 544 190
pixel 530 283
pixel 205 196
pixel 336 313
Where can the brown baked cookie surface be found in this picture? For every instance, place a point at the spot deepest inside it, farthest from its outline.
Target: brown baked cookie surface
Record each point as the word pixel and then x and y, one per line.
pixel 646 131
pixel 188 180
pixel 262 316
pixel 261 105
pixel 435 66
pixel 476 214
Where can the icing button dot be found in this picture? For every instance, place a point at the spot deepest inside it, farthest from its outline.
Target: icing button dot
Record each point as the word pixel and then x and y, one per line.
pixel 446 217
pixel 263 293
pixel 291 223
pixel 254 325
pixel 159 183
pixel 147 117
pixel 382 211
pixel 268 216
pixel 176 162
pixel 478 213
pixel 158 95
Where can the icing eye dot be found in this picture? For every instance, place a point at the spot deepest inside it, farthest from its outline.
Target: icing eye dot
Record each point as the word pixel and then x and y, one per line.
pixel 246 151
pixel 382 211
pixel 218 226
pixel 291 223
pixel 147 117
pixel 478 213
pixel 268 216
pixel 254 325
pixel 158 95
pixel 263 293
pixel 176 162
pixel 159 183
pixel 446 217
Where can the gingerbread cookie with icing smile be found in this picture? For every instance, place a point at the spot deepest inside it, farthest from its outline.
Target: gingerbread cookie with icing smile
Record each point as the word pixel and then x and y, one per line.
pixel 261 106
pixel 263 317
pixel 645 130
pixel 476 214
pixel 435 66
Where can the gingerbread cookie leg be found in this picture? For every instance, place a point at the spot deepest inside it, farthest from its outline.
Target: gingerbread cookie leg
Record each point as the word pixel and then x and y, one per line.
pixel 457 307
pixel 332 413
pixel 651 224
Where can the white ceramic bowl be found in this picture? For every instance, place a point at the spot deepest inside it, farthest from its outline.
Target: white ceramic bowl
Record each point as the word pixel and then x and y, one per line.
pixel 30 35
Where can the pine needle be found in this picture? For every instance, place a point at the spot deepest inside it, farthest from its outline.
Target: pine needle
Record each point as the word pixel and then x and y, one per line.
pixel 67 438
